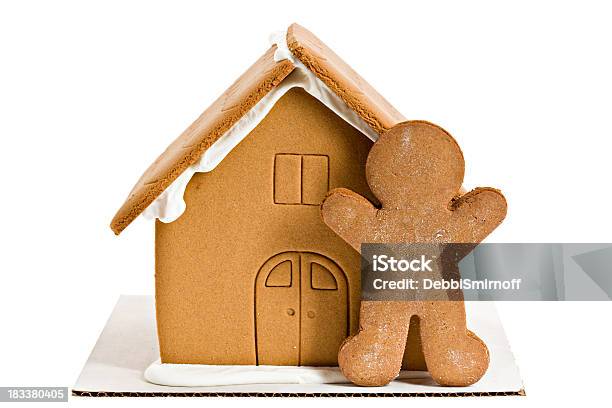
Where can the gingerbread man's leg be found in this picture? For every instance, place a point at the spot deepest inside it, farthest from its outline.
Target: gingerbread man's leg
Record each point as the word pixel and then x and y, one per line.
pixel 373 357
pixel 454 355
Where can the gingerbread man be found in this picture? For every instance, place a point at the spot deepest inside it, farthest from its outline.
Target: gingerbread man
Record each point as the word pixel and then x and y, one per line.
pixel 415 170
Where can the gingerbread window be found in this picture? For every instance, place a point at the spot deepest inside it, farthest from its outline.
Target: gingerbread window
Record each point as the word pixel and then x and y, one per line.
pixel 280 276
pixel 300 178
pixel 321 278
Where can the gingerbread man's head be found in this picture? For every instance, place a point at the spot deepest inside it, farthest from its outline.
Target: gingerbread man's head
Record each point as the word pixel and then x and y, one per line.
pixel 415 163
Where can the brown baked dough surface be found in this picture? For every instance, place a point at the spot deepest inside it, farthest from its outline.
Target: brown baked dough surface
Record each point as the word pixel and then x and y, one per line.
pixel 342 79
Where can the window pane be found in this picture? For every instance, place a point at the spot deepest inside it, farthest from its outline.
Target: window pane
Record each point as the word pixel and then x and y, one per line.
pixel 315 179
pixel 287 179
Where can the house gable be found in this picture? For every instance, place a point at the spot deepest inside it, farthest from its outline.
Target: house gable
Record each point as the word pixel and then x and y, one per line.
pixel 240 98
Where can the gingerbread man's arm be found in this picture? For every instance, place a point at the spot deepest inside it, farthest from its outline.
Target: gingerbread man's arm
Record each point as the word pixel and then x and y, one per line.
pixel 349 215
pixel 477 213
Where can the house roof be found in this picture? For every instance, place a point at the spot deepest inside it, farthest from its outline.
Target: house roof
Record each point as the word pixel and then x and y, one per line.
pixel 240 98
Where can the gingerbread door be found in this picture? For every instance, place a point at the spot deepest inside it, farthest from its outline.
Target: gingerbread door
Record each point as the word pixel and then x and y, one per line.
pixel 301 310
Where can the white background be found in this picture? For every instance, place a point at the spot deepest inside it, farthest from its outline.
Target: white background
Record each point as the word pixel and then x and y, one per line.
pixel 91 93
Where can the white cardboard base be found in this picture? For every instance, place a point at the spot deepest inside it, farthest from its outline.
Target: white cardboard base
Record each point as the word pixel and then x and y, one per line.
pixel 128 345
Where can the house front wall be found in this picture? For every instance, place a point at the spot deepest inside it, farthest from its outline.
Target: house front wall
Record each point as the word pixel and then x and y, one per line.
pixel 249 274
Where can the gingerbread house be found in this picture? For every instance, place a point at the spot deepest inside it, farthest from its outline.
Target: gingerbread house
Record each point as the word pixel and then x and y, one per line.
pixel 246 272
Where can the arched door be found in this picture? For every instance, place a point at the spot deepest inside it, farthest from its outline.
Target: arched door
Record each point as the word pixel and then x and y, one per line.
pixel 301 310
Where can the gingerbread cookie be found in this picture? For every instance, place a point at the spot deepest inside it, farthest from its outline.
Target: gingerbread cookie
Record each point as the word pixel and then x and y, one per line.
pixel 415 170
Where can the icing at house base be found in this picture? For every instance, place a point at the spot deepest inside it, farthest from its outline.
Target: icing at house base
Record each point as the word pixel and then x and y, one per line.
pixel 199 375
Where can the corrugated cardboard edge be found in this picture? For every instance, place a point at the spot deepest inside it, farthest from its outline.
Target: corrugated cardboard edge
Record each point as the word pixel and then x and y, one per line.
pixel 98 394
pixel 240 98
